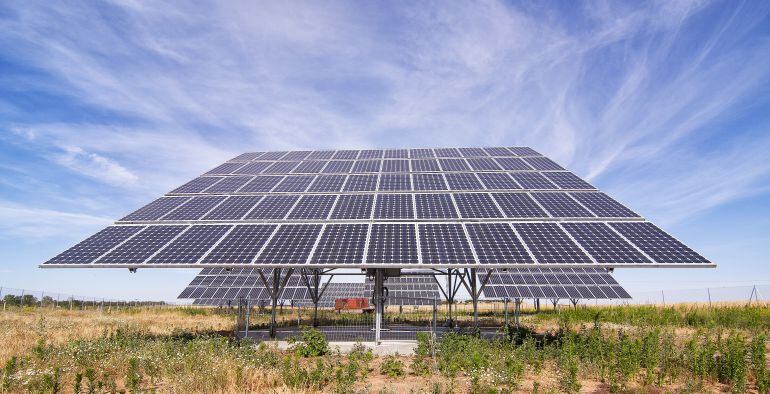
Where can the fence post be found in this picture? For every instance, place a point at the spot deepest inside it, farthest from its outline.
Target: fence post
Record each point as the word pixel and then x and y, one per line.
pixel 663 296
pixel 708 290
pixel 505 305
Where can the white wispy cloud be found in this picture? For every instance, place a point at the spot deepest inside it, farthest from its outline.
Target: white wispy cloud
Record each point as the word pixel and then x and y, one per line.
pixel 95 166
pixel 18 221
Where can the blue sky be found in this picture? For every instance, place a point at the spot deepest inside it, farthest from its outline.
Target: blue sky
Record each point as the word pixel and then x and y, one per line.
pixel 105 106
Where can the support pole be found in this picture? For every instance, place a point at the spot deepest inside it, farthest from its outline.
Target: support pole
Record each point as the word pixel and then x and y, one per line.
pixel 516 312
pixel 450 297
pixel 708 290
pixel 505 312
pixel 378 280
pixel 474 296
pixel 248 315
pixel 274 296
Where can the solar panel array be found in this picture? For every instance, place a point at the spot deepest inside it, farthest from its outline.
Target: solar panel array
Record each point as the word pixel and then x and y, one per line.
pixel 495 207
pixel 552 283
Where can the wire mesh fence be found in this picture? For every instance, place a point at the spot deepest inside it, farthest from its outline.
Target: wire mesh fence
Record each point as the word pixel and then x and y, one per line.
pixel 24 298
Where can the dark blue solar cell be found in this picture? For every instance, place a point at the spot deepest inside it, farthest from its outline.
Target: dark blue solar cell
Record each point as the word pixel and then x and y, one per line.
pixel 96 245
pixel 533 180
pixel 247 156
pixel 142 245
pixel 543 164
pixel 195 208
pixel 353 206
pixel 447 152
pixel 261 183
pixel 370 154
pixel 476 205
pixel 296 155
pixel 496 243
pixel 240 245
pixel 561 205
pixel 395 166
pixel 425 165
pixel 603 205
pixel 253 168
pixel 273 207
pixel 197 185
pixel 497 151
pixel 294 183
pixel 338 166
pixel 341 244
pixel 657 244
pixel 345 155
pixel 367 166
pixel 234 208
pixel 567 180
pixel 360 183
pixel 229 185
pixel 291 244
pixel 191 245
pixel 281 167
pixel 314 206
pixel 156 209
pixel 434 206
pixel 550 244
pixel 429 182
pixel 472 152
pixel 226 168
pixel 273 155
pixel 309 167
pixel 513 164
pixel 497 181
pixel 420 153
pixel 393 206
pixel 523 151
pixel 603 244
pixel 321 155
pixel 327 183
pixel 444 244
pixel 518 205
pixel 394 182
pixel 453 165
pixel 463 181
pixel 483 164
pixel 392 244
pixel 396 153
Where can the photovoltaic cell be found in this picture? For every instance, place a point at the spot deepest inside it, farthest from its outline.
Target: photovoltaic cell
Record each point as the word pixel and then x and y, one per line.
pixel 603 244
pixel 395 182
pixel 370 154
pixel 543 164
pixel 341 244
pixel 296 155
pixel 392 244
pixel 360 183
pixel 234 208
pixel 425 165
pixel 497 181
pixel 345 155
pixel 261 184
pixel 338 166
pixel 281 167
pixel 353 206
pixel 447 152
pixel 191 245
pixel 313 206
pixel 476 205
pixel 195 208
pixel 156 209
pixel 429 182
pixel 434 206
pixel 96 245
pixel 420 153
pixel 444 243
pixel 327 183
pixel 141 246
pixel 472 152
pixel 561 205
pixel 497 151
pixel 393 206
pixel 226 168
pixel 229 184
pixel 453 165
pixel 518 205
pixel 483 164
pixel 241 245
pixel 309 167
pixel 550 244
pixel 273 207
pixel 496 243
pixel 463 181
pixel 253 168
pixel 367 166
pixel 533 180
pixel 523 151
pixel 513 163
pixel 656 243
pixel 197 185
pixel 395 166
pixel 247 156
pixel 295 183
pixel 396 153
pixel 291 244
pixel 567 180
pixel 603 205
pixel 272 156
pixel 321 155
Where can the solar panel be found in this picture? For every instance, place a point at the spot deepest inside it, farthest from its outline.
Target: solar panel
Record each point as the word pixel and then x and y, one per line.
pixel 497 151
pixel 523 151
pixel 142 245
pixel 657 244
pixel 353 207
pixel 518 205
pixel 195 208
pixel 603 205
pixel 395 166
pixel 561 205
pixel 444 243
pixel 309 167
pixel 425 165
pixel 360 183
pixel 603 244
pixel 197 185
pixel 321 154
pixel 393 206
pixel 434 206
pixel 394 182
pixel 420 153
pixel 550 244
pixel 463 181
pixel 313 206
pixel 273 207
pixel 240 245
pixel 483 164
pixel 533 180
pixel 281 167
pixel 453 165
pixel 327 183
pixel 345 154
pixel 341 244
pixel 367 166
pixel 247 156
pixel 567 180
pixel 191 245
pixel 496 243
pixel 261 184
pixel 296 183
pixel 429 182
pixel 296 155
pixel 253 168
pixel 447 152
pixel 291 244
pixel 96 245
pixel 497 181
pixel 273 155
pixel 156 209
pixel 226 168
pixel 371 154
pixel 472 152
pixel 337 166
pixel 513 163
pixel 229 184
pixel 234 208
pixel 392 244
pixel 543 164
pixel 396 153
pixel 476 205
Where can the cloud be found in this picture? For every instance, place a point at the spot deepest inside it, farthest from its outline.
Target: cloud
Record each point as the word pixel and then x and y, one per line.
pixel 17 221
pixel 95 166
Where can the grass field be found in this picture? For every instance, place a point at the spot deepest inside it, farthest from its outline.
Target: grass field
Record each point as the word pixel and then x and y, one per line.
pixel 606 349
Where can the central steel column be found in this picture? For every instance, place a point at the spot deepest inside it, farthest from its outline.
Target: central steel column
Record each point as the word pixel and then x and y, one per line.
pixel 274 296
pixel 378 280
